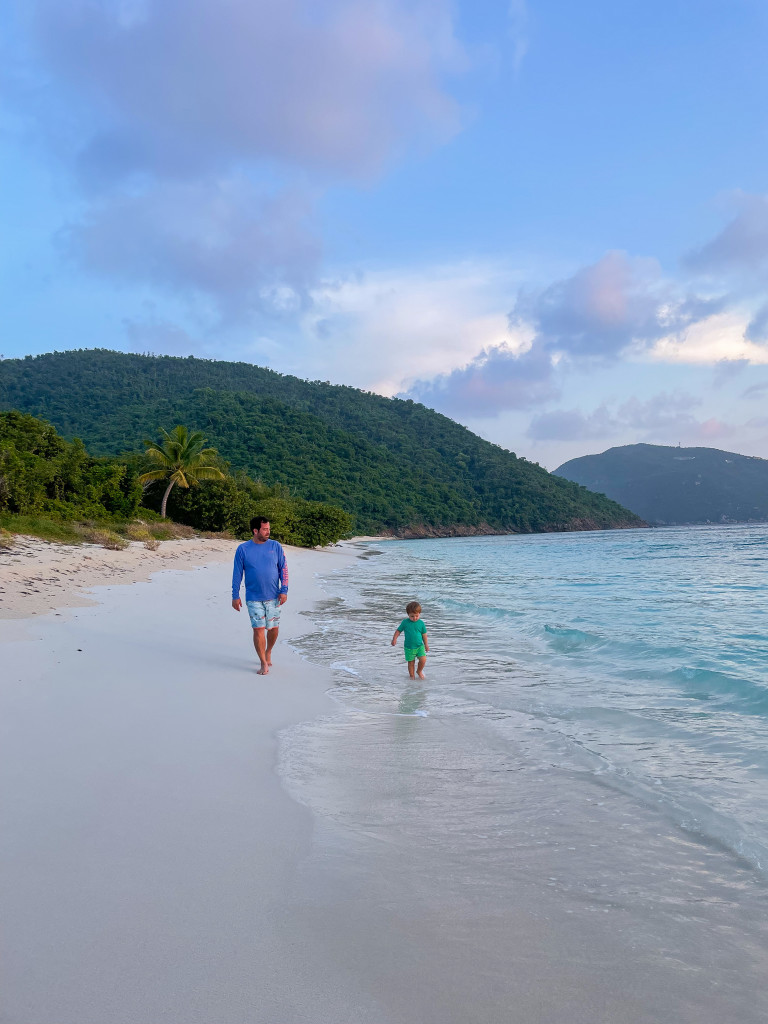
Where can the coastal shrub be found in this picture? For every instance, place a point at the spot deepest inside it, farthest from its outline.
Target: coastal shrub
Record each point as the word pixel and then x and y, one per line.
pixel 137 531
pixel 166 529
pixel 320 524
pixel 229 505
pixel 113 541
pixel 306 524
pixel 7 539
pixel 281 515
pixel 41 473
pixel 147 515
pixel 101 536
pixel 39 526
pixel 218 504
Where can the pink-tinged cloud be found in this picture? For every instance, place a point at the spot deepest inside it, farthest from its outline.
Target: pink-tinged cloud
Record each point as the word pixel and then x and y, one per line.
pixel 595 315
pixel 606 307
pixel 497 379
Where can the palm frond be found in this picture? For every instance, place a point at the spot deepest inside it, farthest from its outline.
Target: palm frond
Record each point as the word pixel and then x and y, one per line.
pixel 181 457
pixel 152 475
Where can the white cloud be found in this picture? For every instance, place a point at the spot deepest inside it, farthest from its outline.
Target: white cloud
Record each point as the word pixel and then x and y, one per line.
pixel 721 336
pixel 386 328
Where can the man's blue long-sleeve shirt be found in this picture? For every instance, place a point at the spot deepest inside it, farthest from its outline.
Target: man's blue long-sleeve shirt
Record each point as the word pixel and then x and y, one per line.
pixel 265 569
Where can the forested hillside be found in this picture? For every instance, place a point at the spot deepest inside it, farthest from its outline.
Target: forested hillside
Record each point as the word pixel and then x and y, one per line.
pixel 677 485
pixel 395 465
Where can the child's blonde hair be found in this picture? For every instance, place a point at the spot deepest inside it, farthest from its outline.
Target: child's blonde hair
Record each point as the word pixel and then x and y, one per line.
pixel 411 607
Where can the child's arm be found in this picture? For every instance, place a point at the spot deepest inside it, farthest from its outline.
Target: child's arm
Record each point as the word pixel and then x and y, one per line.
pixel 425 642
pixel 394 638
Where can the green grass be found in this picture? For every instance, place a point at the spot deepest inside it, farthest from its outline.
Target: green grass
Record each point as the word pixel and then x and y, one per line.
pixel 64 531
pixel 61 531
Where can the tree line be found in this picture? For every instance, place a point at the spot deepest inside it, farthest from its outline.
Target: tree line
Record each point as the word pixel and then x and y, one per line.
pixel 41 473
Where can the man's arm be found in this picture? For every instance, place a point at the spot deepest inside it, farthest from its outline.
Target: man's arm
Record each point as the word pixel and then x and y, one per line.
pixel 282 575
pixel 237 578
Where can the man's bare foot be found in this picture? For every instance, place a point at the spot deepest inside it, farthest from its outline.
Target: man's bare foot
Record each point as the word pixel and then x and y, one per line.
pixel 264 670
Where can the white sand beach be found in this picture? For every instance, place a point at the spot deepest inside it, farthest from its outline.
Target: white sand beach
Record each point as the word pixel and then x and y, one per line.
pixel 155 870
pixel 37 577
pixel 148 847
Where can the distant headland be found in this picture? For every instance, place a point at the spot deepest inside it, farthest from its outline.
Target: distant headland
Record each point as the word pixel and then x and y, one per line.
pixel 669 486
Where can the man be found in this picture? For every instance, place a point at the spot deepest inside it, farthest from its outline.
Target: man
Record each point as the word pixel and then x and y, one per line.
pixel 266 587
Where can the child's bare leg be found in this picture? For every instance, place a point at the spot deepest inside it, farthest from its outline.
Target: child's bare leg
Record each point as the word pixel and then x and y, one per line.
pixel 422 663
pixel 412 669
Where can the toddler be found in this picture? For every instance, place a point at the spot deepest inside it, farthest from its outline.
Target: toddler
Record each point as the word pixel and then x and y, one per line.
pixel 415 640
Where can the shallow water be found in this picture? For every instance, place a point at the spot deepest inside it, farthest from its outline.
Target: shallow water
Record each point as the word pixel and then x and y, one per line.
pixel 643 656
pixel 590 743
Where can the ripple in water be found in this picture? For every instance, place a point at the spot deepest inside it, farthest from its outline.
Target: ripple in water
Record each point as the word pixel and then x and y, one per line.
pixel 636 656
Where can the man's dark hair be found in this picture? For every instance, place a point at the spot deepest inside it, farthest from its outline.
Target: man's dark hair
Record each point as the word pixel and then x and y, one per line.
pixel 257 521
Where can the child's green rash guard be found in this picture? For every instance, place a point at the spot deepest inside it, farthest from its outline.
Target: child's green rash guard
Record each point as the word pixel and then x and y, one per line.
pixel 414 631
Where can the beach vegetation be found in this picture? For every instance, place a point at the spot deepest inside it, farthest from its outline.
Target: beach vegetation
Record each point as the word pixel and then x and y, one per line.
pixel 228 505
pixel 54 489
pixel 137 531
pixel 58 531
pixel 103 537
pixel 180 457
pixel 42 474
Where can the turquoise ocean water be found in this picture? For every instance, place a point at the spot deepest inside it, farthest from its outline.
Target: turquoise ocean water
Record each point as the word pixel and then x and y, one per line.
pixel 636 658
pixel 576 793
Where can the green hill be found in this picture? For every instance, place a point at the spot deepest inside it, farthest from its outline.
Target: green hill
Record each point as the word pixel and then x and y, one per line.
pixel 395 465
pixel 677 485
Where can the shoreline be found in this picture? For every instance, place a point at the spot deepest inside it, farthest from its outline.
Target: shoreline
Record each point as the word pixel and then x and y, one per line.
pixel 188 842
pixel 565 892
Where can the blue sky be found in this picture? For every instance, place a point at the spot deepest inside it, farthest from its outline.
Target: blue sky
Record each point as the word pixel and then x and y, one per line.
pixel 547 220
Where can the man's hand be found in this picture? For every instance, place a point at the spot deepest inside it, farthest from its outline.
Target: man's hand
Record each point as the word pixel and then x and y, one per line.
pixel 282 598
pixel 237 604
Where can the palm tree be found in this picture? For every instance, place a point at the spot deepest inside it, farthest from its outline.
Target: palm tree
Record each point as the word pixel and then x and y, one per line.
pixel 181 458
